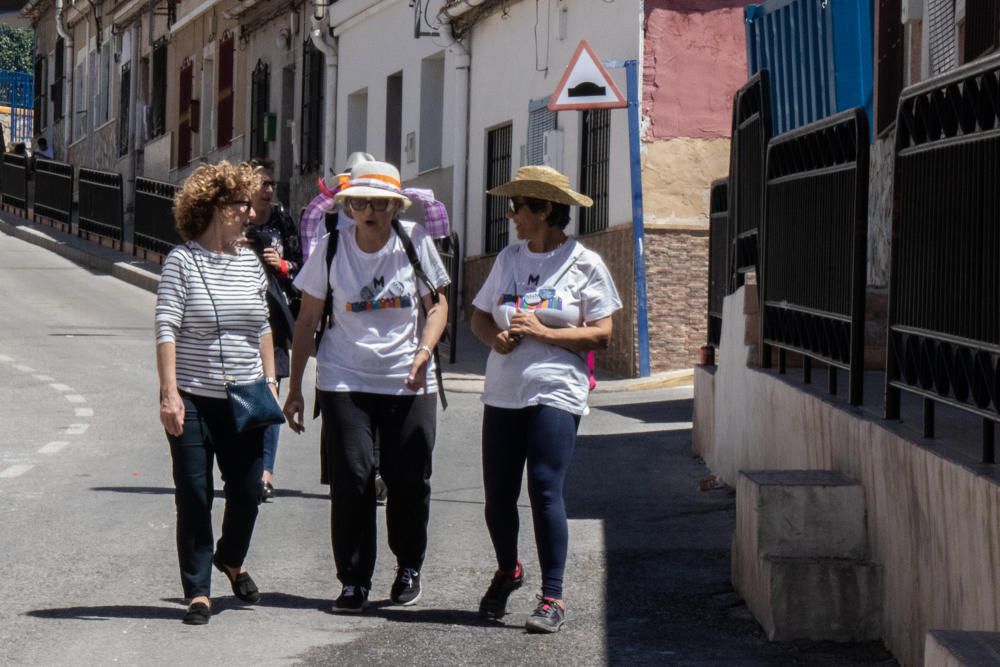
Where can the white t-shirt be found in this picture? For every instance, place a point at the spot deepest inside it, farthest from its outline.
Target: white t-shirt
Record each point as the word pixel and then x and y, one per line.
pixel 375 311
pixel 565 288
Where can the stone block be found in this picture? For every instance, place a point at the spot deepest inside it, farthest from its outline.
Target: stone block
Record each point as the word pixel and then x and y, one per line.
pixel 800 514
pixel 957 648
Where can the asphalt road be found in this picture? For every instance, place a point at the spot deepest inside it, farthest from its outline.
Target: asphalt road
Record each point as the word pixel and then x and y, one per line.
pixel 89 573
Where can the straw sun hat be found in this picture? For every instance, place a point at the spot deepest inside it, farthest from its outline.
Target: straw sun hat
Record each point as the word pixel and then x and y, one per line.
pixel 331 186
pixel 374 180
pixel 540 182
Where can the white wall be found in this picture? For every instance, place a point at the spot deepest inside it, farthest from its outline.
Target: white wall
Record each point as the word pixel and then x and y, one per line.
pixel 505 58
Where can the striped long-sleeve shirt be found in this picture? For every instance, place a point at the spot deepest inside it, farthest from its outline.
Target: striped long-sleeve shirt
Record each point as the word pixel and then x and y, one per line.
pixel 186 317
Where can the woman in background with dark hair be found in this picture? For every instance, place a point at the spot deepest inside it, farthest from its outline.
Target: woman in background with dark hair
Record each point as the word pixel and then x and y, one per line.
pixel 545 304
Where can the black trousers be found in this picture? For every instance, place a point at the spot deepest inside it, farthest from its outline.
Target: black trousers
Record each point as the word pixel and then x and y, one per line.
pixel 404 427
pixel 209 434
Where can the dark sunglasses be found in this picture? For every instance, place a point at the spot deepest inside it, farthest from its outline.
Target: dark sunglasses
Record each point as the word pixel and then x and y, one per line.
pixel 514 204
pixel 361 204
pixel 267 184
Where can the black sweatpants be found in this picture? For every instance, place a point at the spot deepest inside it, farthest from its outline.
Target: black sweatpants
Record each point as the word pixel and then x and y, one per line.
pixel 209 434
pixel 404 427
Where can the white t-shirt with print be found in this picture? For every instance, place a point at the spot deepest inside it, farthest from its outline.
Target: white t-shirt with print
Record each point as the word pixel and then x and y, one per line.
pixel 564 288
pixel 375 311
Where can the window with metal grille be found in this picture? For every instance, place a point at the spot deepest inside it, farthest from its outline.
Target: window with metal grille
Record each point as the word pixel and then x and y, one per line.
pixel 394 118
pixel 185 89
pixel 889 67
pixel 498 143
pixel 260 91
pixel 58 80
pixel 158 91
pixel 311 133
pixel 941 47
pixel 595 147
pixel 40 119
pixel 982 28
pixel 124 97
pixel 226 91
pixel 540 121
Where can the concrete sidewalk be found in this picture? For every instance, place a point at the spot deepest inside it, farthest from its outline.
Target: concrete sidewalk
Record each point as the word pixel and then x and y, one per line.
pixel 463 376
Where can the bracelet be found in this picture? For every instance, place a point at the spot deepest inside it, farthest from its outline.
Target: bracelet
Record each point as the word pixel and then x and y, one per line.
pixel 270 380
pixel 428 350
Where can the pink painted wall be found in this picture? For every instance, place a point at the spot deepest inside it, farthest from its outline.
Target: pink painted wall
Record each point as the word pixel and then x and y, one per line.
pixel 694 61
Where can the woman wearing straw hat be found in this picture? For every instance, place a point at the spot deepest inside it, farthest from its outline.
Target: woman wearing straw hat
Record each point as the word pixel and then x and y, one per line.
pixel 545 304
pixel 375 376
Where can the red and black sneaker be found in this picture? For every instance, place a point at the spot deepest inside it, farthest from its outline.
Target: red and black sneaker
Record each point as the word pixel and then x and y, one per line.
pixel 548 616
pixel 494 603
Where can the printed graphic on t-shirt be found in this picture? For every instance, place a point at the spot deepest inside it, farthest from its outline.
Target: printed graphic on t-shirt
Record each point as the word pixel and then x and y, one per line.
pixel 378 296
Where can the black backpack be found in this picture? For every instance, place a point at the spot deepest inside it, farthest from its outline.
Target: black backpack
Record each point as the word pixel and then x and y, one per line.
pixel 326 320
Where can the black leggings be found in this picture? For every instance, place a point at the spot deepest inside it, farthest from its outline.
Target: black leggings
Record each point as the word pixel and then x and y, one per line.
pixel 404 427
pixel 209 433
pixel 543 437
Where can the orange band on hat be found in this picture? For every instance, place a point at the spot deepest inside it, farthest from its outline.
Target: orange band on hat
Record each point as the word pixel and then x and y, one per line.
pixel 377 177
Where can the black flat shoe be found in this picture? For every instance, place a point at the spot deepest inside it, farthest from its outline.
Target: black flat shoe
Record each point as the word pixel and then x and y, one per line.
pixel 266 492
pixel 197 614
pixel 244 587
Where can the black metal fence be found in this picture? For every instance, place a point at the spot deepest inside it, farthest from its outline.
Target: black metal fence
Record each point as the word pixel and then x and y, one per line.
pixel 154 217
pixel 718 255
pixel 100 204
pixel 448 249
pixel 15 180
pixel 814 247
pixel 751 133
pixel 53 190
pixel 944 306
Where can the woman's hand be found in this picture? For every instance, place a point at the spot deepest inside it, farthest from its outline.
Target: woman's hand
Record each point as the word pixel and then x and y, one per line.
pixel 272 258
pixel 295 407
pixel 526 323
pixel 172 413
pixel 504 342
pixel 417 378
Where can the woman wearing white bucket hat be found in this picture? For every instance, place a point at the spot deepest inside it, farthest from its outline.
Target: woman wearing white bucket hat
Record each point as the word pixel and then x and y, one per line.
pixel 545 304
pixel 375 376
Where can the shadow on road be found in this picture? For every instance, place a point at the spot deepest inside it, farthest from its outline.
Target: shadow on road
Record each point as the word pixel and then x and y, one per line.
pixel 169 491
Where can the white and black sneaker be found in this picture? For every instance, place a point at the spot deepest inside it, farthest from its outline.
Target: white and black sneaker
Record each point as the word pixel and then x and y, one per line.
pixel 406 588
pixel 352 600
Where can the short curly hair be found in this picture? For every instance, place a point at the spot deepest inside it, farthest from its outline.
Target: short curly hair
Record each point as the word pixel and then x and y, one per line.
pixel 206 189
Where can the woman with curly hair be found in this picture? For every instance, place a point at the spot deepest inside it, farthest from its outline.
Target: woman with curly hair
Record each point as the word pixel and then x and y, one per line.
pixel 212 328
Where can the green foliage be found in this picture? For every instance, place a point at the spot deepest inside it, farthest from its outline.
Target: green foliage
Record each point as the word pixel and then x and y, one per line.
pixel 15 48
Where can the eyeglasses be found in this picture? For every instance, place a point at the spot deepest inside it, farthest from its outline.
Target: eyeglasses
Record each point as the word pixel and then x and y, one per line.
pixel 361 204
pixel 514 204
pixel 243 205
pixel 267 184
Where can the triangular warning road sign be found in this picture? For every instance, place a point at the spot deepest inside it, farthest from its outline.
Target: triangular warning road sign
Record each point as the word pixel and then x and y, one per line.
pixel 586 84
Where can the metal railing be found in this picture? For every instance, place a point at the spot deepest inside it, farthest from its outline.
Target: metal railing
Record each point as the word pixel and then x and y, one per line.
pixel 154 217
pixel 17 93
pixel 15 180
pixel 448 249
pixel 814 247
pixel 718 255
pixel 53 190
pixel 944 305
pixel 100 204
pixel 751 133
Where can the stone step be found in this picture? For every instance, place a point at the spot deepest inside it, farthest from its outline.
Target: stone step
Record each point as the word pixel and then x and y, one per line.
pixel 819 599
pixel 799 514
pixel 958 648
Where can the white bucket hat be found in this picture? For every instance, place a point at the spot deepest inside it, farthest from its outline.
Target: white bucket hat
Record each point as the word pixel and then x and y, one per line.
pixel 375 180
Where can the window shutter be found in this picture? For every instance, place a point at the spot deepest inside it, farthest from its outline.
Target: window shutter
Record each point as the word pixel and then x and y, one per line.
pixel 224 97
pixel 184 118
pixel 943 54
pixel 540 121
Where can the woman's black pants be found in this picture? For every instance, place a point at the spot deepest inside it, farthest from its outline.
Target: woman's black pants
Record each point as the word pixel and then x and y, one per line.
pixel 209 434
pixel 404 427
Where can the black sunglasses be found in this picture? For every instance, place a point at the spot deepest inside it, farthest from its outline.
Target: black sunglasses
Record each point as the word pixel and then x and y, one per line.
pixel 361 204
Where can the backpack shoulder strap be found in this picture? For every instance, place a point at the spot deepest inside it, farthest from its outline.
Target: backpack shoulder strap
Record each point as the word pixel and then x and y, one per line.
pixel 411 254
pixel 326 319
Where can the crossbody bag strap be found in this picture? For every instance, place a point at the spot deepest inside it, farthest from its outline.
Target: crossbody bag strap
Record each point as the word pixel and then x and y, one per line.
pixel 218 325
pixel 418 271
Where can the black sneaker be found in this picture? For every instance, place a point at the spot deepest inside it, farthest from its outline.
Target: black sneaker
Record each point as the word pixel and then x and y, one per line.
pixel 381 490
pixel 494 603
pixel 352 600
pixel 406 588
pixel 548 616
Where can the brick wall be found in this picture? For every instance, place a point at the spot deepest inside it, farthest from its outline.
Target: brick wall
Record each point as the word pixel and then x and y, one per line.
pixel 676 294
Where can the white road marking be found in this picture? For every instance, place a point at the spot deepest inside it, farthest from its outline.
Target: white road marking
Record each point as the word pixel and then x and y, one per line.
pixel 76 429
pixel 60 387
pixel 84 412
pixel 24 369
pixel 14 471
pixel 43 378
pixel 75 398
pixel 5 359
pixel 53 447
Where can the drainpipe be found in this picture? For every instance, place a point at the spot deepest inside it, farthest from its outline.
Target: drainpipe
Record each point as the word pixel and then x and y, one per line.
pixel 67 73
pixel 325 42
pixel 460 158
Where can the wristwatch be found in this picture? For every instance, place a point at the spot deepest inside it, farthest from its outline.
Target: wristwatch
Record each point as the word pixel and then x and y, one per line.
pixel 428 350
pixel 270 380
